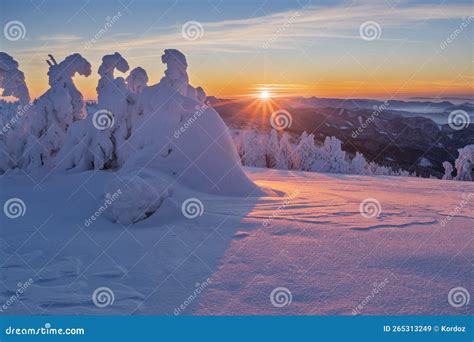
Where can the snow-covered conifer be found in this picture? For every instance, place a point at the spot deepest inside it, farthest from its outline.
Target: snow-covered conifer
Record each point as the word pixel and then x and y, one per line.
pixel 448 170
pixel 253 150
pixel 285 153
pixel 465 163
pixel 303 156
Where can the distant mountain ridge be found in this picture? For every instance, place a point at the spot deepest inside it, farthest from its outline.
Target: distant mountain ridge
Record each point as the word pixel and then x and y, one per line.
pixel 411 106
pixel 403 139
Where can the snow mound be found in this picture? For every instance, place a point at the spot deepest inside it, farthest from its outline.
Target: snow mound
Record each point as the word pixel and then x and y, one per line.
pixel 134 198
pixel 183 138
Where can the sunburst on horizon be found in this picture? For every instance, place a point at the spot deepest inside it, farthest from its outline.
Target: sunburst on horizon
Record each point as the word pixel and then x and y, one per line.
pixel 264 95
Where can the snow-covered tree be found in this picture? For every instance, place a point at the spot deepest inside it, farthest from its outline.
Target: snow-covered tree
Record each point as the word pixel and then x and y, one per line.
pixel 253 150
pixel 379 170
pixel 448 170
pixel 238 140
pixel 465 163
pixel 12 80
pixel 112 93
pixel 334 155
pixel 15 117
pixel 285 153
pixel 304 153
pixel 86 148
pixel 97 146
pixel 272 149
pixel 176 75
pixel 60 106
pixel 137 80
pixel 358 164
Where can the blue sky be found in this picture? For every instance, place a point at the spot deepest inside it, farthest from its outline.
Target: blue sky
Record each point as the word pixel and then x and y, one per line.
pixel 314 48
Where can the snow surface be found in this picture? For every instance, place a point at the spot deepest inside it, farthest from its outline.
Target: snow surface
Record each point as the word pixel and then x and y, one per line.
pixel 307 235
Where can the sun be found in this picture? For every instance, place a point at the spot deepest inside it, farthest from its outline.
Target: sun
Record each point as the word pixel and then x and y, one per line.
pixel 264 95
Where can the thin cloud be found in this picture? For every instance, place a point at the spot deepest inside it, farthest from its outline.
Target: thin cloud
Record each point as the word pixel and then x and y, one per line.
pixel 283 28
pixel 60 38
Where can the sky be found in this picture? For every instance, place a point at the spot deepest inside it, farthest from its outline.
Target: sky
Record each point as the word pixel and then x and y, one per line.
pixel 237 47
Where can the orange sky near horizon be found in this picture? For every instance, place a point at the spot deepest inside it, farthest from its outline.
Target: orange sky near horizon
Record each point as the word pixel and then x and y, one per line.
pixel 340 82
pixel 329 88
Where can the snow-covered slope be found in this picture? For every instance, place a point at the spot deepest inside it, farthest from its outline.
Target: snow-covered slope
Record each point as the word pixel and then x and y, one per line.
pixel 227 256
